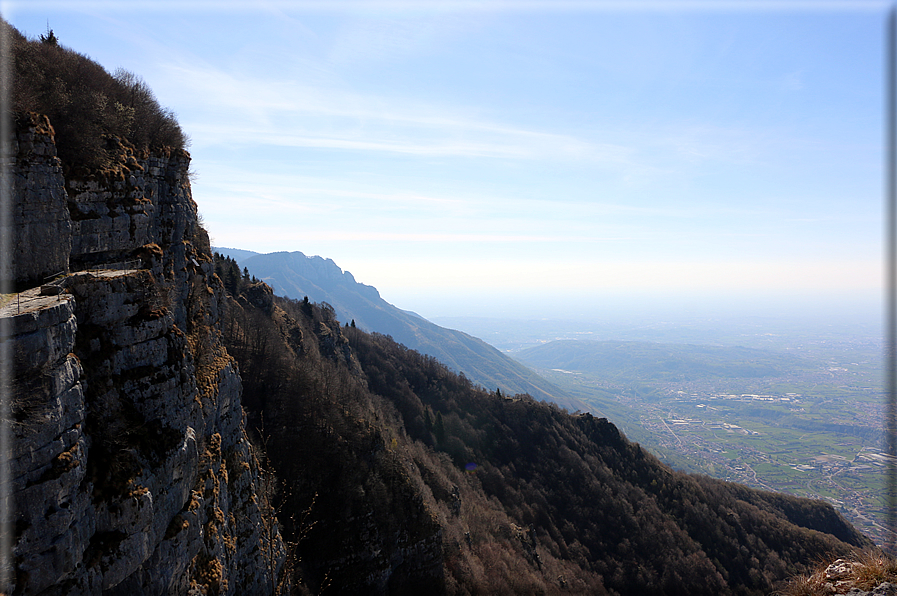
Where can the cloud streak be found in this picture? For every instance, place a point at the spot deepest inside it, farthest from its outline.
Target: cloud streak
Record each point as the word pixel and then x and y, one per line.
pixel 281 113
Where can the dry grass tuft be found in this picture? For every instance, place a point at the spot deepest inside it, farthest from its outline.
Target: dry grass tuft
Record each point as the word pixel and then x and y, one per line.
pixel 874 568
pixel 864 570
pixel 803 585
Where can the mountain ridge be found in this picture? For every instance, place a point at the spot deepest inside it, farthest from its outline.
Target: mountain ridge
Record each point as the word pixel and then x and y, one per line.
pixel 295 275
pixel 170 417
pixel 518 496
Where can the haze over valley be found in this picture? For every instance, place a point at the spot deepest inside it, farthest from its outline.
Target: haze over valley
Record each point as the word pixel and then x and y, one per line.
pixel 792 405
pixel 589 298
pixel 807 422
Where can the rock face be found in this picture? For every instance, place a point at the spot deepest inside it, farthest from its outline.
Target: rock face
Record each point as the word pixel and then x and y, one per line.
pixel 38 175
pixel 840 576
pixel 131 470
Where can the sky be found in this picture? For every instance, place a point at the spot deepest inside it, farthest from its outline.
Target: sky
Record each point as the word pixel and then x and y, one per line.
pixel 529 159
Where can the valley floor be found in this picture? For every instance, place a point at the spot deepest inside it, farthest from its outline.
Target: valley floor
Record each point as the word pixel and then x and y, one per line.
pixel 799 435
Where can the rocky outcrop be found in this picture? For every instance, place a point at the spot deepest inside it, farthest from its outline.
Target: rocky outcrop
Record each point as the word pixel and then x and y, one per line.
pixel 42 212
pixel 48 463
pixel 144 199
pixel 131 469
pixel 885 589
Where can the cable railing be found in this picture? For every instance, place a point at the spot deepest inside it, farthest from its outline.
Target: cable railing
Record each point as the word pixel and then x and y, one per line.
pixel 117 266
pixel 54 284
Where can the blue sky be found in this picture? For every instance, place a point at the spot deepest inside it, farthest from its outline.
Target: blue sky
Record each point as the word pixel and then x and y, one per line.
pixel 496 158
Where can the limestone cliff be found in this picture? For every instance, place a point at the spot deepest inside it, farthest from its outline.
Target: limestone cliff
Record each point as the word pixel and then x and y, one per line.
pixel 131 470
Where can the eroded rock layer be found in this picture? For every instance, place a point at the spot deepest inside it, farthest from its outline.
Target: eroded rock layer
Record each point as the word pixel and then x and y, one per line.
pixel 131 469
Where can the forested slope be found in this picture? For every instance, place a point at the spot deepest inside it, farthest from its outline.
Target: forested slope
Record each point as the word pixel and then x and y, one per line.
pixel 389 473
pixel 401 476
pixel 295 275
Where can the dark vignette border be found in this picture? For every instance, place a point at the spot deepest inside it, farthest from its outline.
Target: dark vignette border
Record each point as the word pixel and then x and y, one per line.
pixel 6 277
pixel 890 306
pixel 891 274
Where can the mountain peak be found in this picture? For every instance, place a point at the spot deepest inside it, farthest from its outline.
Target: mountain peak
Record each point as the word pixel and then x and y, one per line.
pixel 294 275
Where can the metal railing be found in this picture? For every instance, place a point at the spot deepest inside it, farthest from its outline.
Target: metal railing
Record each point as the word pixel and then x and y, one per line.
pixel 53 285
pixel 118 266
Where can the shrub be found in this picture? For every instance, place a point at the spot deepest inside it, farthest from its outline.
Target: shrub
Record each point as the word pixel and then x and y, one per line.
pixel 87 105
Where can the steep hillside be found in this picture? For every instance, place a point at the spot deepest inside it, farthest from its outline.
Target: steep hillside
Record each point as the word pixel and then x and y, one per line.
pixel 145 371
pixel 294 275
pixel 435 486
pixel 130 470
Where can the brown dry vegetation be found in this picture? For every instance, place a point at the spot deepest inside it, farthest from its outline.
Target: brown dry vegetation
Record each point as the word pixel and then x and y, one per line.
pixel 557 503
pixel 91 111
pixel 863 569
pixel 371 442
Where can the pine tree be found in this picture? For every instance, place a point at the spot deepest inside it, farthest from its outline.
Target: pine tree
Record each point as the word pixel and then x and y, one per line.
pixel 49 38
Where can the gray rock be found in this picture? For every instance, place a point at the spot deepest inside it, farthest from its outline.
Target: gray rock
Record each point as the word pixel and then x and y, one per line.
pixel 39 209
pixel 131 470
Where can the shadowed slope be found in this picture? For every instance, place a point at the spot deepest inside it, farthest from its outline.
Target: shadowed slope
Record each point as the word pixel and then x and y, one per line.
pixel 295 275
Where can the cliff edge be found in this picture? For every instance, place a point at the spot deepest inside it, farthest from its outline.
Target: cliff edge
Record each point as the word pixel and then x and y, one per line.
pixel 131 470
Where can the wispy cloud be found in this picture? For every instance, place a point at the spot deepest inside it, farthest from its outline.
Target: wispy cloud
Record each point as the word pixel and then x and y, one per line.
pixel 456 238
pixel 423 147
pixel 284 191
pixel 278 189
pixel 284 113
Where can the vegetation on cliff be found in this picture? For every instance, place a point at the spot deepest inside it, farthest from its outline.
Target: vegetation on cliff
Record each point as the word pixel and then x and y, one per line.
pixel 87 106
pixel 389 473
pixel 869 572
pixel 129 470
pixel 524 497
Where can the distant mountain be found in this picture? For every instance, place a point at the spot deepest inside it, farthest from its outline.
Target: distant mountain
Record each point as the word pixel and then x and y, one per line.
pixel 237 254
pixel 645 361
pixel 295 275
